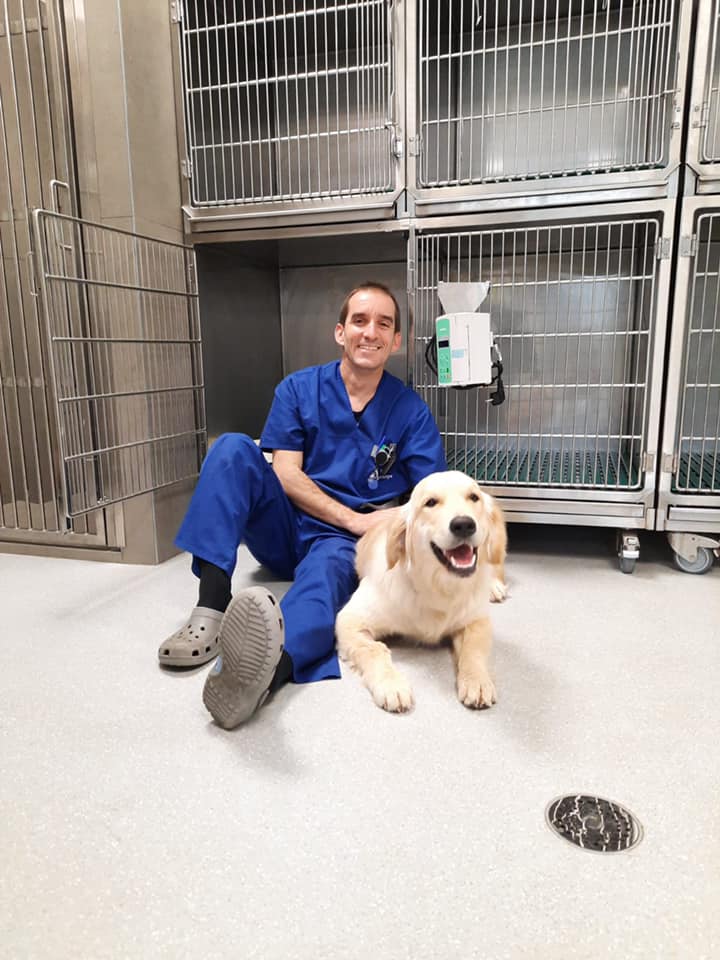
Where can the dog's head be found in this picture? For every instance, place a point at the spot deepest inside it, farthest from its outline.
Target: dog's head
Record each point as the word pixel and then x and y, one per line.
pixel 451 518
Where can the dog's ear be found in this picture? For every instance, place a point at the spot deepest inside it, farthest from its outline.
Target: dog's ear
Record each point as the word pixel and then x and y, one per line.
pixel 396 546
pixel 497 535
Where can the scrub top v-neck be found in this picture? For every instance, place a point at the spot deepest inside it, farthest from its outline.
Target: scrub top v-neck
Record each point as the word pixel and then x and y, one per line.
pixel 311 413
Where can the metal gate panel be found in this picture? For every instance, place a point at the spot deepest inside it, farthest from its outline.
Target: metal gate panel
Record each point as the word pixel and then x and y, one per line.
pixel 286 102
pixel 124 330
pixel 574 308
pixel 35 170
pixel 545 91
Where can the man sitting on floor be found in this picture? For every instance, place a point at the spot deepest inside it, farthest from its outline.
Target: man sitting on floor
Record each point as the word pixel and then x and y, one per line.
pixel 347 438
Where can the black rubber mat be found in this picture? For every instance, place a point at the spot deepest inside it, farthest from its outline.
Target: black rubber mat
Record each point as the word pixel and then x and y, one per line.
pixel 699 473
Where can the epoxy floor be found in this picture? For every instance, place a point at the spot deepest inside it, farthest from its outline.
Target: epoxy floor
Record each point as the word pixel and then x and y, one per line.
pixel 132 827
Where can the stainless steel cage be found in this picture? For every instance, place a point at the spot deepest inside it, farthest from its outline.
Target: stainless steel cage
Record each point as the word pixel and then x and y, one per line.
pixel 689 497
pixel 703 144
pixel 289 106
pixel 36 169
pixel 127 367
pixel 578 309
pixel 533 96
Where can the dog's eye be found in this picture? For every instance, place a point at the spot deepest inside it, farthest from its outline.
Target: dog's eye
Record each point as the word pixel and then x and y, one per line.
pixel 474 497
pixel 432 502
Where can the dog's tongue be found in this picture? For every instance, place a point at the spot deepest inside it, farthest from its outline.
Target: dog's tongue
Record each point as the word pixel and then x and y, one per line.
pixel 462 556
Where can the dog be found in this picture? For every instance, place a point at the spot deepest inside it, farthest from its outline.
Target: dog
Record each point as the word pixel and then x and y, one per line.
pixel 428 573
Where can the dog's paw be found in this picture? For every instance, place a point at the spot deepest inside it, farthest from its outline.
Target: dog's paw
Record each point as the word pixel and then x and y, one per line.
pixel 393 693
pixel 476 692
pixel 498 591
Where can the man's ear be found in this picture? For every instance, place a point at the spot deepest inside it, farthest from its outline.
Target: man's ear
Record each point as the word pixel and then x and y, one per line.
pixel 497 537
pixel 396 540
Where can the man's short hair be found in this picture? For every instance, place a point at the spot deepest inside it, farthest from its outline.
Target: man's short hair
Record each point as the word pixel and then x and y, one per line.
pixel 370 285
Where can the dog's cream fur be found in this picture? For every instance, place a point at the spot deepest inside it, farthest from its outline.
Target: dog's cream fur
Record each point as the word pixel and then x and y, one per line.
pixel 407 590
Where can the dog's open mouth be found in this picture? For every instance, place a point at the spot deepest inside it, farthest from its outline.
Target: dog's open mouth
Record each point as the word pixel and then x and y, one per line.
pixel 461 560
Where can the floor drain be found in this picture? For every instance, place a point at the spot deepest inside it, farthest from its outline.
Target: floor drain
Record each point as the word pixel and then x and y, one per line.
pixel 593 823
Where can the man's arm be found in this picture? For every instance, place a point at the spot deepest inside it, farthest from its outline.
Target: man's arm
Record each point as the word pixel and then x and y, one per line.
pixel 308 497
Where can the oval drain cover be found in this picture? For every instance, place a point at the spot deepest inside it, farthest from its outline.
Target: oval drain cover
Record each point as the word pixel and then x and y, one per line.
pixel 593 823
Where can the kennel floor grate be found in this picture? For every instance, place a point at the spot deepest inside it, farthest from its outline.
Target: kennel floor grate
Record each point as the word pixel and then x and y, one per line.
pixel 559 468
pixel 698 472
pixel 593 823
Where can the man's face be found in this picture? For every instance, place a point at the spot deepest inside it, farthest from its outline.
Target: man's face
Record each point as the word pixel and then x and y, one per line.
pixel 368 337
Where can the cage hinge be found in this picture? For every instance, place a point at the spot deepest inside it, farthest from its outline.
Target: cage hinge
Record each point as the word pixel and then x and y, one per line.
pixel 669 463
pixel 663 248
pixel 176 11
pixel 186 168
pixel 191 277
pixel 688 246
pixel 647 462
pixel 704 110
pixel 414 146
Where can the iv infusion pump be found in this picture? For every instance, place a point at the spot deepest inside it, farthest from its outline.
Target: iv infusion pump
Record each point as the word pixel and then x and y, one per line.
pixel 464 349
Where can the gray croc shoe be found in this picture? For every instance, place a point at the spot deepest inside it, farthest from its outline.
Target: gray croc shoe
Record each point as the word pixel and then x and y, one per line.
pixel 251 641
pixel 195 643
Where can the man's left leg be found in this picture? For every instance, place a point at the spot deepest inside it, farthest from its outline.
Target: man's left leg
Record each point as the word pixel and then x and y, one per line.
pixel 238 683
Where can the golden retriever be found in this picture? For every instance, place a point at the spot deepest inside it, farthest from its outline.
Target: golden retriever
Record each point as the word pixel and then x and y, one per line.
pixel 428 573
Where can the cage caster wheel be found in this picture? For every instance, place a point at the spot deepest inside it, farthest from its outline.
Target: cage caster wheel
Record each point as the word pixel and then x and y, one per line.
pixel 704 559
pixel 694 553
pixel 628 548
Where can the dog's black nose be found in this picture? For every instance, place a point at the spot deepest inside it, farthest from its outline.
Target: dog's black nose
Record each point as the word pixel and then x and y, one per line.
pixel 463 526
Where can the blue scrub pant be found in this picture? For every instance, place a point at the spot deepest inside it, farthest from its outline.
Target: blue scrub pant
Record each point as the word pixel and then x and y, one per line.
pixel 238 499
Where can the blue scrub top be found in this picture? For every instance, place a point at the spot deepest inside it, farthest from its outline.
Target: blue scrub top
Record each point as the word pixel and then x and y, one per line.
pixel 311 413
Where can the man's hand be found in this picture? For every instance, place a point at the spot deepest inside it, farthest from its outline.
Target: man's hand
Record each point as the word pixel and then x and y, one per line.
pixel 366 521
pixel 308 497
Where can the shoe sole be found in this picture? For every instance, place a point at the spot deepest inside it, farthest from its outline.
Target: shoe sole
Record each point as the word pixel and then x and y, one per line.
pixel 251 642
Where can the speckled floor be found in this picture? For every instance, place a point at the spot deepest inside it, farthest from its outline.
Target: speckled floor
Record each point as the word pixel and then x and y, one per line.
pixel 132 827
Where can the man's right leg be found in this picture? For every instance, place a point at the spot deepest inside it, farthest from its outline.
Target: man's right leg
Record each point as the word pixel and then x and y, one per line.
pixel 238 497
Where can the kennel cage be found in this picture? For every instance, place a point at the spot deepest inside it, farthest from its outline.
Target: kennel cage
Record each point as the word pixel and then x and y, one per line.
pixel 36 170
pixel 689 493
pixel 578 308
pixel 269 307
pixel 703 138
pixel 543 100
pixel 291 111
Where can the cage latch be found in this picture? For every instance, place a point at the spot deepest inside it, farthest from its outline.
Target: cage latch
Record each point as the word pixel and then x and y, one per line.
pixel 663 248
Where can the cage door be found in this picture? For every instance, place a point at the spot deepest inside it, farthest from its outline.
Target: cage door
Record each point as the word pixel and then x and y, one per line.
pixel 696 463
pixel 122 317
pixel 287 103
pixel 703 145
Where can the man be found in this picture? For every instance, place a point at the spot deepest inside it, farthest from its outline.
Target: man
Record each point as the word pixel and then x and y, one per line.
pixel 346 438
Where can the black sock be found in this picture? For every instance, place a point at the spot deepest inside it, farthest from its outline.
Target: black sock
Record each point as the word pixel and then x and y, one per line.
pixel 283 672
pixel 214 587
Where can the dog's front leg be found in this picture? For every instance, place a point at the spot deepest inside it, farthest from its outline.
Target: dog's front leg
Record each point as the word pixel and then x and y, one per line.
pixel 372 660
pixel 471 647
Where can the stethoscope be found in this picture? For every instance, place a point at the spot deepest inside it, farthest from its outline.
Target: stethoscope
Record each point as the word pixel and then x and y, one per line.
pixel 383 456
